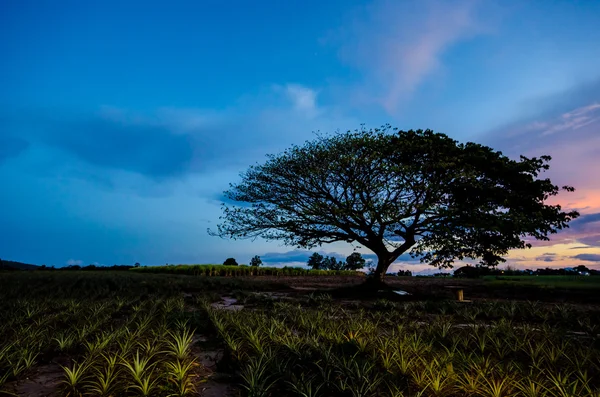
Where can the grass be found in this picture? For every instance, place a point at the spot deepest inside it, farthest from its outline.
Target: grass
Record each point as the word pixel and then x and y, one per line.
pixel 142 334
pixel 241 271
pixel 565 282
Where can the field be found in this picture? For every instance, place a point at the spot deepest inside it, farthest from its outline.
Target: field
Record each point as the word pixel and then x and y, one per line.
pixel 241 271
pixel 140 334
pixel 570 282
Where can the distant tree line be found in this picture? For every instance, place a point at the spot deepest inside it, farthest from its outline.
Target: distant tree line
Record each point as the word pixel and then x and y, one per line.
pixel 86 268
pixel 480 271
pixel 255 261
pixel 354 261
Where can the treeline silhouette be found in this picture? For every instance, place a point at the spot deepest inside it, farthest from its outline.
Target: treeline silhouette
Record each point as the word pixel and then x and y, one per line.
pixel 479 271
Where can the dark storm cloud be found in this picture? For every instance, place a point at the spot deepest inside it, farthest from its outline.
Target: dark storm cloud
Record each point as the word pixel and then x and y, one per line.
pixel 11 146
pixel 588 257
pixel 152 151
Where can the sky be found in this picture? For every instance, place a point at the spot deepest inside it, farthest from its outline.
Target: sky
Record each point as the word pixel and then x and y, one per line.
pixel 122 122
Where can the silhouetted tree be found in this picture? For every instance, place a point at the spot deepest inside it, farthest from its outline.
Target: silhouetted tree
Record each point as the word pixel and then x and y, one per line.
pixel 315 261
pixel 331 263
pixel 469 271
pixel 394 192
pixel 255 261
pixel 230 262
pixel 582 269
pixel 355 261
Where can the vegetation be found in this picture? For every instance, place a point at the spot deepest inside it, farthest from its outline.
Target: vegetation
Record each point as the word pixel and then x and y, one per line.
pixel 12 265
pixel 354 261
pixel 394 192
pixel 413 349
pixel 237 271
pixel 109 334
pixel 230 262
pixel 481 271
pixel 570 282
pixel 255 261
pixel 139 334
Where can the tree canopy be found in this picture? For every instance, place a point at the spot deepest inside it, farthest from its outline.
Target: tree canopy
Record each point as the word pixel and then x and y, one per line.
pixel 230 262
pixel 397 191
pixel 255 261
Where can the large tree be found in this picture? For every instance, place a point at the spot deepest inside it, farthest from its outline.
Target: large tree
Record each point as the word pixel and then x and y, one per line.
pixel 394 192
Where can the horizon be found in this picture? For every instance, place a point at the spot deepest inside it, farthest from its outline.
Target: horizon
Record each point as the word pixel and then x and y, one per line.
pixel 121 125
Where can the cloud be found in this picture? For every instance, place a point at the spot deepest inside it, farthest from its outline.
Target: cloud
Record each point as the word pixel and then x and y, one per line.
pixel 284 257
pixel 588 257
pixel 398 45
pixel 572 120
pixel 220 198
pixel 297 256
pixel 566 126
pixel 303 98
pixel 11 146
pixel 546 258
pixel 586 219
pixel 301 256
pixel 592 240
pixel 168 144
pixel 571 136
pixel 150 150
pixel 74 262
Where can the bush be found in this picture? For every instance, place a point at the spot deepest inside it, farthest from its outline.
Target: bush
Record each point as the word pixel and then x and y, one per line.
pixel 230 262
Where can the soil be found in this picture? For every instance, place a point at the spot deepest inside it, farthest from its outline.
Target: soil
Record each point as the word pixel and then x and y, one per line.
pixel 44 381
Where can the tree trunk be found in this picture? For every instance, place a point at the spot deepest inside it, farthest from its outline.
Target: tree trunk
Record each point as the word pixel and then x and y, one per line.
pixel 384 260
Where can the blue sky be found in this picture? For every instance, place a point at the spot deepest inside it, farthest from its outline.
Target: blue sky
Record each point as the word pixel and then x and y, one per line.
pixel 122 122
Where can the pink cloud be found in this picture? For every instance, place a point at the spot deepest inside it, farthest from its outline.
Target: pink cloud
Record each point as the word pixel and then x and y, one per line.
pixel 572 138
pixel 398 45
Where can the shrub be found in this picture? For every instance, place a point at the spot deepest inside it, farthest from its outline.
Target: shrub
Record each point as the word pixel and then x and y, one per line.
pixel 230 262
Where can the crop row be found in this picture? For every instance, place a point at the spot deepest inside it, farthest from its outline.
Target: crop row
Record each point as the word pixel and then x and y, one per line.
pixel 105 348
pixel 332 351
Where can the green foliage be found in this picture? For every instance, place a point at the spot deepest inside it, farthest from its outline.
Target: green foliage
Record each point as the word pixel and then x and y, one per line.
pixel 134 333
pixel 325 349
pixel 395 192
pixel 123 340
